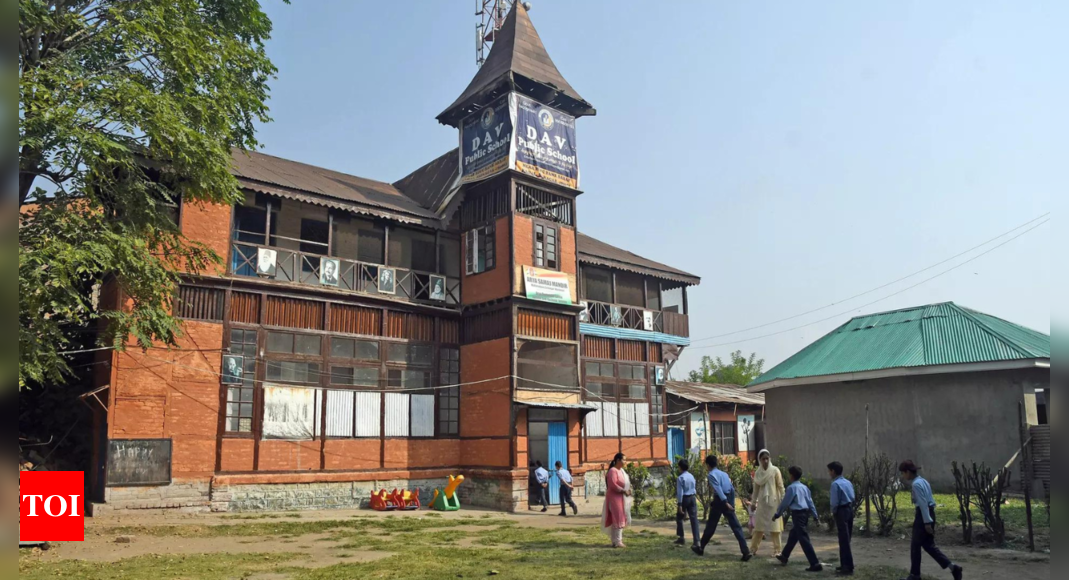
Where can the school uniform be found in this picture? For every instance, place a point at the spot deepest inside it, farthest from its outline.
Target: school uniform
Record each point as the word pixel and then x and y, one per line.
pixel 542 477
pixel 566 491
pixel 723 507
pixel 687 500
pixel 924 501
pixel 842 508
pixel 799 502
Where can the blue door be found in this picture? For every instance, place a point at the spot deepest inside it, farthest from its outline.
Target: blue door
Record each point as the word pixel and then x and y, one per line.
pixel 677 445
pixel 558 451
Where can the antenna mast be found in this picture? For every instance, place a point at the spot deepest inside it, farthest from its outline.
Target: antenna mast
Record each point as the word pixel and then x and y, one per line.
pixel 490 16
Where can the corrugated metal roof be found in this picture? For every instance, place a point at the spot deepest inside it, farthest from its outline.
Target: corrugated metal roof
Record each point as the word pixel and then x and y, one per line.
pixel 517 53
pixel 274 175
pixel 598 253
pixel 631 334
pixel 709 393
pixel 936 334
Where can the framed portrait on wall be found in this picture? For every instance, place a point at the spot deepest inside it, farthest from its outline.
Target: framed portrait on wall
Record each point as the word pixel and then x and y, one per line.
pixel 328 271
pixel 233 369
pixel 266 262
pixel 437 292
pixel 387 281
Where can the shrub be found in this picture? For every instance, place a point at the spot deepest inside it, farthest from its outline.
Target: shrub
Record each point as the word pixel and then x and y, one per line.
pixel 857 477
pixel 988 488
pixel 881 486
pixel 963 493
pixel 640 479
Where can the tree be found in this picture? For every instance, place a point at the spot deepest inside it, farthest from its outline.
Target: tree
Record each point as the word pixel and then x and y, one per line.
pixel 125 107
pixel 739 371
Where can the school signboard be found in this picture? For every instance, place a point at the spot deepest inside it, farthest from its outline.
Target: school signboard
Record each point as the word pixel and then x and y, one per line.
pixel 519 133
pixel 547 286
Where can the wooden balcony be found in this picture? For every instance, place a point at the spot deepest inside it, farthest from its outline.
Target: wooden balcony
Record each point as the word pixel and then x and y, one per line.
pixel 632 317
pixel 353 276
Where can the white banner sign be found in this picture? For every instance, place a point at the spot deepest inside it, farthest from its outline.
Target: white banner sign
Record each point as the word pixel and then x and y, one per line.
pixel 289 413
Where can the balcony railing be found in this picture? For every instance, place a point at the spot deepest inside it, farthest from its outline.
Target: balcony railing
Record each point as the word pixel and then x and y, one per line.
pixel 634 318
pixel 354 276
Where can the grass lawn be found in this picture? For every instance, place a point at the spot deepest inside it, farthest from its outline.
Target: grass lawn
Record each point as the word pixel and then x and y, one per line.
pixel 431 549
pixel 947 514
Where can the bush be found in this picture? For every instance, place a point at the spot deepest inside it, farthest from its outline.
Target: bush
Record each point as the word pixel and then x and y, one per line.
pixel 881 486
pixel 963 493
pixel 988 489
pixel 640 479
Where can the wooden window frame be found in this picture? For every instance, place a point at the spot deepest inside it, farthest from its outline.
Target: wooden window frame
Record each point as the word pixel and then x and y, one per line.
pixel 542 228
pixel 479 241
pixel 619 384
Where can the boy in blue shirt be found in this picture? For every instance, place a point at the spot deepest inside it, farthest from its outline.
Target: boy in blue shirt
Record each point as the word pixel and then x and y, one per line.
pixel 686 500
pixel 723 507
pixel 566 488
pixel 924 524
pixel 799 502
pixel 842 509
pixel 542 477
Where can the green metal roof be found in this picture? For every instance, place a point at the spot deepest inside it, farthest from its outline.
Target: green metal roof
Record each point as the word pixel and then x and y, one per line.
pixel 937 334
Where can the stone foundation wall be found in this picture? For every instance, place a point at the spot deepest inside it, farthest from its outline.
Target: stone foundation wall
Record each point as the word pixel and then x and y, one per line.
pixel 191 496
pixel 500 494
pixel 595 481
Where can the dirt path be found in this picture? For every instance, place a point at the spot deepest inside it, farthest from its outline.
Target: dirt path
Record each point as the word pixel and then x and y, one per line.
pixel 318 550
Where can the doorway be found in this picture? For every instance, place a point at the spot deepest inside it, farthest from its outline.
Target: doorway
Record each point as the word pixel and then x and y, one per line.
pixel 547 441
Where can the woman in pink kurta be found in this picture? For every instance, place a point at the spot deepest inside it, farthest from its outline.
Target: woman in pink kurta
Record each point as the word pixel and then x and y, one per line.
pixel 616 515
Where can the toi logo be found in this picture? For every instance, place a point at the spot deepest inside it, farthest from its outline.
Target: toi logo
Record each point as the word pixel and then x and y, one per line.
pixel 51 506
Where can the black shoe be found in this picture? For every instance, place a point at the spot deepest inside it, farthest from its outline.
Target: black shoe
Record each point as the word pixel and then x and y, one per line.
pixel 817 568
pixel 957 571
pixel 747 557
pixel 563 514
pixel 544 510
pixel 680 542
pixel 782 559
pixel 575 510
pixel 698 550
pixel 844 571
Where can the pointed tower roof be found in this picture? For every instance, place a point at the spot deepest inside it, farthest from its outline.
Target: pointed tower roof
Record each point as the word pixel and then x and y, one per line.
pixel 517 61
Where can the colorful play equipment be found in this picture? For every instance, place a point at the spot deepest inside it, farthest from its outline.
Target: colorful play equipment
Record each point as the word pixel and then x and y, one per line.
pixel 395 501
pixel 448 501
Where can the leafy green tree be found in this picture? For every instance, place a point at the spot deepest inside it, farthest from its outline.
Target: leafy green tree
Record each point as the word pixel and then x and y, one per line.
pixel 125 107
pixel 739 370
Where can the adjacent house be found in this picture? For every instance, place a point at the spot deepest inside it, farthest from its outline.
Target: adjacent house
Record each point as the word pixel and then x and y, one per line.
pixel 937 384
pixel 722 419
pixel 362 334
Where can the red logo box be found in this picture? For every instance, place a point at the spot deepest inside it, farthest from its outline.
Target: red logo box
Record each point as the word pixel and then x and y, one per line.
pixel 51 506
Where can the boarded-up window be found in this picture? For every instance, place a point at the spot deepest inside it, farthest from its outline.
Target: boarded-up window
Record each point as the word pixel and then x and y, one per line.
pixel 597 347
pixel 631 350
pixel 628 421
pixel 422 415
pixel 293 313
pixel 291 413
pixel 610 419
pixel 199 303
pixel 397 415
pixel 340 406
pixel 642 419
pixel 355 320
pixel 549 325
pixel 245 308
pixel 594 427
pixel 368 414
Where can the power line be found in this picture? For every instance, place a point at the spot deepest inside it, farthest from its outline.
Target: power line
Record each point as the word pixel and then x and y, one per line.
pixel 845 312
pixel 867 292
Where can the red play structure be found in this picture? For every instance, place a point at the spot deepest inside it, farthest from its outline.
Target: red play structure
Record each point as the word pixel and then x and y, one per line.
pixel 397 500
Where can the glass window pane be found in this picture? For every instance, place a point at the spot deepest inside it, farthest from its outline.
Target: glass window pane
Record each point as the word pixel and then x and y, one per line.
pixel 366 350
pixel 237 336
pixel 637 392
pixel 672 300
pixel 629 289
pixel 279 342
pixel 366 377
pixel 308 344
pixel 413 354
pixel 342 347
pixel 593 369
pixel 341 375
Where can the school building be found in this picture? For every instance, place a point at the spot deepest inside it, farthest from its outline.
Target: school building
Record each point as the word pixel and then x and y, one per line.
pixel 363 335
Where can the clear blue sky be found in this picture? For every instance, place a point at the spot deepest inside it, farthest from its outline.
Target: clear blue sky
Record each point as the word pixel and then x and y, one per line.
pixel 789 153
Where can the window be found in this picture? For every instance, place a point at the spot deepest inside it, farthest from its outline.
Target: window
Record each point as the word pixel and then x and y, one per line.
pixel 547 365
pixel 412 249
pixel 672 300
pixel 371 242
pixel 597 284
pixel 412 354
pixel 314 236
pixel 449 411
pixel 630 289
pixel 240 399
pixel 723 438
pixel 408 379
pixel 657 409
pixel 292 371
pixel 348 348
pixel 633 372
pixel 594 369
pixel 545 247
pixel 354 376
pixel 479 250
pixel 635 392
pixel 449 257
pixel 286 343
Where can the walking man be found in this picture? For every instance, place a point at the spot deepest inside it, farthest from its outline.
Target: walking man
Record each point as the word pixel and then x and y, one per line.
pixel 687 504
pixel 723 507
pixel 566 490
pixel 924 524
pixel 542 476
pixel 842 508
pixel 800 503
